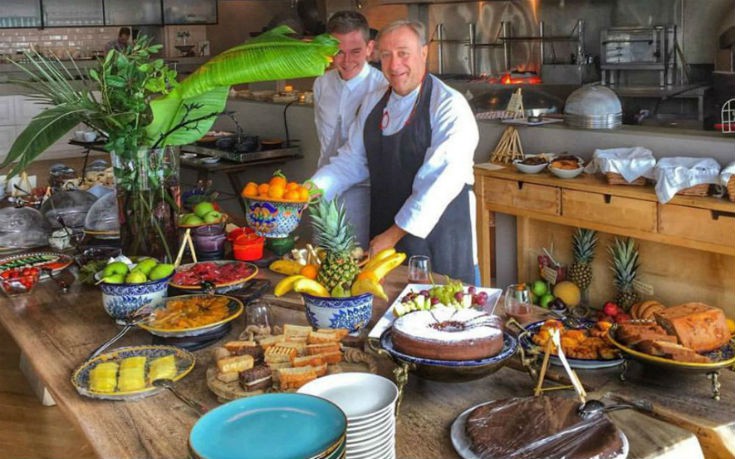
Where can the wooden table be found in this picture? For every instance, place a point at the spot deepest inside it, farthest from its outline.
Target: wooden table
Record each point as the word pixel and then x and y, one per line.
pixel 57 331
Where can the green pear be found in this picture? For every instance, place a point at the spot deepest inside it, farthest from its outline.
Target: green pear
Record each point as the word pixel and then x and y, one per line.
pixel 116 267
pixel 161 271
pixel 192 219
pixel 146 265
pixel 135 277
pixel 212 217
pixel 203 208
pixel 114 279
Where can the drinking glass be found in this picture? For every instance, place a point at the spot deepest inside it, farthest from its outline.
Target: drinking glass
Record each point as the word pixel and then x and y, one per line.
pixel 518 301
pixel 258 313
pixel 419 269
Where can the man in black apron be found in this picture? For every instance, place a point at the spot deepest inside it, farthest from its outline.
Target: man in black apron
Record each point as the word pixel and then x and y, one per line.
pixel 416 142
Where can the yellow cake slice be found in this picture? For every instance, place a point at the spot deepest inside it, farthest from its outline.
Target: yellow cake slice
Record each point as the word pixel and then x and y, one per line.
pixel 103 377
pixel 162 368
pixel 132 374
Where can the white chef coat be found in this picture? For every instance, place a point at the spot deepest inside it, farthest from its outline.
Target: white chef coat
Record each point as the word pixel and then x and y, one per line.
pixel 447 165
pixel 336 103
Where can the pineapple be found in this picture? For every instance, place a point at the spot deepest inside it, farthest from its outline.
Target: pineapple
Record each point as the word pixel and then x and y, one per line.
pixel 625 268
pixel 333 233
pixel 584 242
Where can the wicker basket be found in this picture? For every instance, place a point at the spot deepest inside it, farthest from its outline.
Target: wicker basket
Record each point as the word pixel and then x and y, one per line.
pixel 614 178
pixel 731 188
pixel 697 190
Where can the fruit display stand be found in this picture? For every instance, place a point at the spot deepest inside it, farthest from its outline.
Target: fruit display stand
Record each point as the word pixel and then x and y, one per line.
pixel 687 248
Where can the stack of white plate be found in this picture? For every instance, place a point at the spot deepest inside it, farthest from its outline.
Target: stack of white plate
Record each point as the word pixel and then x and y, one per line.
pixel 369 402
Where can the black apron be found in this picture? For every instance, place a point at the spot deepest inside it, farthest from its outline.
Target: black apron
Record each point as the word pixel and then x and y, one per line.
pixel 393 162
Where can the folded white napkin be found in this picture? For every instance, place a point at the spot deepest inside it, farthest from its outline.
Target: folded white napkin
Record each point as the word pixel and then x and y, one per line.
pixel 630 162
pixel 676 173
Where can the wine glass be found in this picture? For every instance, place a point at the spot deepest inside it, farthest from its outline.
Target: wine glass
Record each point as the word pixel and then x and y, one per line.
pixel 419 269
pixel 258 313
pixel 518 301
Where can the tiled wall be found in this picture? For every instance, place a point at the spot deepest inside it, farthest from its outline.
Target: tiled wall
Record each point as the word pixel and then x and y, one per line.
pixel 82 42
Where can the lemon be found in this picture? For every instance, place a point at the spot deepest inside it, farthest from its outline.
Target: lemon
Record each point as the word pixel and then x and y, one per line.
pixel 286 284
pixel 568 292
pixel 312 287
pixel 368 286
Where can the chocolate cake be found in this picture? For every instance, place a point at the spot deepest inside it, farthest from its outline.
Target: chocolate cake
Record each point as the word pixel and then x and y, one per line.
pixel 257 378
pixel 548 427
pixel 448 334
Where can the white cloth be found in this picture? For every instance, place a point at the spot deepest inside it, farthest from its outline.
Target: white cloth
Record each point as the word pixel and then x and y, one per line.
pixel 336 103
pixel 447 165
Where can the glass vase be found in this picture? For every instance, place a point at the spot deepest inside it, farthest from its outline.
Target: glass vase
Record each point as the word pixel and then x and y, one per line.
pixel 149 199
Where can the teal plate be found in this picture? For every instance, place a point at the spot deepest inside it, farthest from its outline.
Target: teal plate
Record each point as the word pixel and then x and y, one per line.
pixel 274 426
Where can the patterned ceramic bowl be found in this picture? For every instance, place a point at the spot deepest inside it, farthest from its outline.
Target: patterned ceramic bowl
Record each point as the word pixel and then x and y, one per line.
pixel 120 300
pixel 273 218
pixel 352 313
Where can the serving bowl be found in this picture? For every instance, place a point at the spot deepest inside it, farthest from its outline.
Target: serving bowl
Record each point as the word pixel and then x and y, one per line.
pixel 566 173
pixel 352 312
pixel 529 168
pixel 121 300
pixel 273 218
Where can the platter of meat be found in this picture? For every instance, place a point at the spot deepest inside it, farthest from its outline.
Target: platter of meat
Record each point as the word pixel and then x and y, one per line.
pixel 585 348
pixel 221 274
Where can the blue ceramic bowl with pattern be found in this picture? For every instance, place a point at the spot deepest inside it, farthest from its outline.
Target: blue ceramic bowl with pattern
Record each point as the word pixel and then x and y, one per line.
pixel 121 300
pixel 273 218
pixel 352 312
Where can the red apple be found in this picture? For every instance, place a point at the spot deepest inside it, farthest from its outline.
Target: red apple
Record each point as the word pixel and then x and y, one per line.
pixel 623 317
pixel 611 309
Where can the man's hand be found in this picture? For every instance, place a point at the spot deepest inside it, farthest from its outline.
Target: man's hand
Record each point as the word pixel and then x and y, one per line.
pixel 386 240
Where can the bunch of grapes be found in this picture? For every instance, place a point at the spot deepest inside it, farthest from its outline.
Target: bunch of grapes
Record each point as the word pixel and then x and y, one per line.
pixel 450 294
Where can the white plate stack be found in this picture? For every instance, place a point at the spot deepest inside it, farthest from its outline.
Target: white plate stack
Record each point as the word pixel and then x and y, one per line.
pixel 369 402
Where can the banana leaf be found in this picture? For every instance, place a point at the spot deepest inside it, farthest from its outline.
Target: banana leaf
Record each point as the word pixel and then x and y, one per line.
pixel 270 56
pixel 44 130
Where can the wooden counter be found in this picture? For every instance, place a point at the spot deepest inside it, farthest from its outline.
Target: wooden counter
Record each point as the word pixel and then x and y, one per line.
pixel 57 331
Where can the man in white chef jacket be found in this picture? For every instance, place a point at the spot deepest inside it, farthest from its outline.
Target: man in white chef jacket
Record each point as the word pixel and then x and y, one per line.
pixel 415 143
pixel 337 98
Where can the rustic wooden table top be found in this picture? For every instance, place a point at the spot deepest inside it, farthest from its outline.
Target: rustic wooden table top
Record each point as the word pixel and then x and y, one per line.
pixel 57 331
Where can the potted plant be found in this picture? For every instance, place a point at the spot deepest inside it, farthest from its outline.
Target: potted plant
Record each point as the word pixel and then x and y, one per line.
pixel 134 100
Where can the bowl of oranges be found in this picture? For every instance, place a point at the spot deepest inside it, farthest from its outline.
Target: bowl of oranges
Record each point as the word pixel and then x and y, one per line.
pixel 274 208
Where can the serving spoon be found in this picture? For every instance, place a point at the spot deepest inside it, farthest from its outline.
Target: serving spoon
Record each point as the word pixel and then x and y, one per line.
pixel 137 317
pixel 592 408
pixel 169 384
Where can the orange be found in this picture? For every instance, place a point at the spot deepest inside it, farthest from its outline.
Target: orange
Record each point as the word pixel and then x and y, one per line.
pixel 278 179
pixel 263 189
pixel 304 193
pixel 250 190
pixel 368 275
pixel 309 271
pixel 276 191
pixel 292 195
pixel 290 186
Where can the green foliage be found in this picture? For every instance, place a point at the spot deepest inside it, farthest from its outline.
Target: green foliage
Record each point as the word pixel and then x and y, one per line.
pixel 135 100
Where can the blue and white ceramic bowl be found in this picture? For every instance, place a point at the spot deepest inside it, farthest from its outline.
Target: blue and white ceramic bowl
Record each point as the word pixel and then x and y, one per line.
pixel 352 313
pixel 120 300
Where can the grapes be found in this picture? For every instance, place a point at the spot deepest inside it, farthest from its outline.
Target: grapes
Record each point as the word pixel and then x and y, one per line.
pixel 479 299
pixel 434 301
pixel 471 289
pixel 458 296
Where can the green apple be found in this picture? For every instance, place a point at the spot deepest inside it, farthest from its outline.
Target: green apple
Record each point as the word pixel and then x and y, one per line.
pixel 135 277
pixel 161 271
pixel 116 267
pixel 212 217
pixel 203 208
pixel 114 279
pixel 545 300
pixel 192 219
pixel 539 288
pixel 146 265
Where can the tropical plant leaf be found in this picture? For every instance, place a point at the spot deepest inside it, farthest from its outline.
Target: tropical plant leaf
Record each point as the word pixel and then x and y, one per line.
pixel 270 56
pixel 197 115
pixel 43 131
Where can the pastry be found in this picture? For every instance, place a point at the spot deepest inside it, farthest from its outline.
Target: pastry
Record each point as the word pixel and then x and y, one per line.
pixel 103 377
pixel 132 374
pixel 696 325
pixel 162 368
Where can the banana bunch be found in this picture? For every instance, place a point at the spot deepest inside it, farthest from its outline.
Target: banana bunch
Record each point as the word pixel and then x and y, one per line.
pixel 367 280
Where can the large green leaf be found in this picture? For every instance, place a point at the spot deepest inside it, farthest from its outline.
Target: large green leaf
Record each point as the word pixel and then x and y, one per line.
pixel 271 56
pixel 44 130
pixel 199 113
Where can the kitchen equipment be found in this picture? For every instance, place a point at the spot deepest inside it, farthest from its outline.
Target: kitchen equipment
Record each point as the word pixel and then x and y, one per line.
pixel 638 48
pixel 593 107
